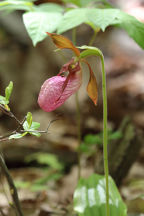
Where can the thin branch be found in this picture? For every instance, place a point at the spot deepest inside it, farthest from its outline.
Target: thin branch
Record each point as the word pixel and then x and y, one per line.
pixel 6 137
pixel 3 187
pixel 9 113
pixel 39 131
pixel 20 125
pixel 12 187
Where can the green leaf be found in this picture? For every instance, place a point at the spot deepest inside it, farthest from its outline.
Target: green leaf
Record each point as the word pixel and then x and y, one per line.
pixel 114 135
pixel 76 2
pixel 134 28
pixel 91 139
pixel 8 90
pixel 3 100
pixel 38 187
pixel 29 119
pixel 16 5
pixel 38 23
pixel 22 184
pixel 37 134
pixel 35 125
pixel 84 148
pixel 90 197
pixel 26 126
pixel 30 126
pixel 17 135
pixel 99 17
pixel 84 3
pixel 32 130
pixel 71 19
pixel 49 7
pixel 49 177
pixel 47 159
pixel 105 17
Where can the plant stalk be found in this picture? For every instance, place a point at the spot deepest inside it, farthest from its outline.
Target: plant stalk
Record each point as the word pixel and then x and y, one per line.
pixel 105 144
pixel 78 114
pixel 92 38
pixel 78 132
pixel 74 36
pixel 12 187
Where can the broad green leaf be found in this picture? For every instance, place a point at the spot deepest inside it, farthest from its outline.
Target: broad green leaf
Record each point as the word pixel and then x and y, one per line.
pixel 49 7
pixel 17 135
pixel 35 125
pixel 134 28
pixel 37 134
pixel 3 100
pixel 26 126
pixel 38 23
pixel 99 17
pixel 90 197
pixel 29 119
pixel 31 127
pixel 84 3
pixel 71 19
pixel 105 17
pixel 76 2
pixel 16 5
pixel 8 90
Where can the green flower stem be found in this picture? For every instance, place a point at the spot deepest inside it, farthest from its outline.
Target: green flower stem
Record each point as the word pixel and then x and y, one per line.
pixel 78 132
pixel 105 150
pixel 93 51
pixel 78 114
pixel 92 38
pixel 96 30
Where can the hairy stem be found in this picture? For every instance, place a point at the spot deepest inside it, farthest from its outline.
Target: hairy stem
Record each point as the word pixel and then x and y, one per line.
pixel 95 31
pixel 78 132
pixel 105 150
pixel 12 187
pixel 78 114
pixel 92 38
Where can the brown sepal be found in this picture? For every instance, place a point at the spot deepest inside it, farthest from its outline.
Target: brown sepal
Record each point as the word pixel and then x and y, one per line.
pixel 92 88
pixel 63 43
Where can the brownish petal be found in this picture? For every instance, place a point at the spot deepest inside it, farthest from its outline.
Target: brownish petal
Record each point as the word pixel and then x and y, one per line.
pixel 63 43
pixel 92 88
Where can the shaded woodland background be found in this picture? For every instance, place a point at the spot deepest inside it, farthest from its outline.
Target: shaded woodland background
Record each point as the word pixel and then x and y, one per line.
pixel 28 67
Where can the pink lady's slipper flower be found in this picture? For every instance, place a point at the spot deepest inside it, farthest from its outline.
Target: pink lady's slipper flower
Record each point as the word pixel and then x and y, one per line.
pixel 57 89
